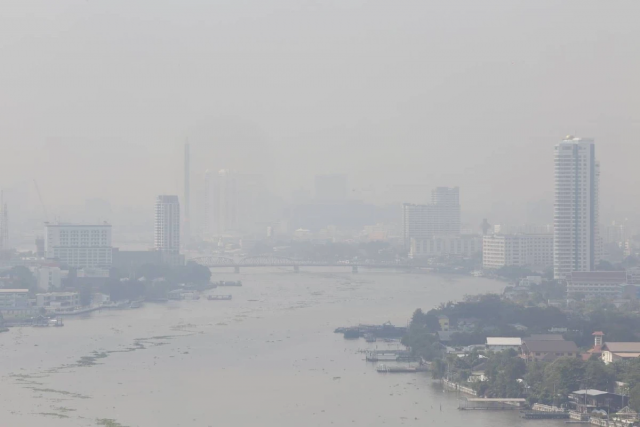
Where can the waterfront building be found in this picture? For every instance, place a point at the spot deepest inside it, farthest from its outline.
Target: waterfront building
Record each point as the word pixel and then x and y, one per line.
pixel 576 231
pixel 466 246
pixel 167 228
pixel 14 298
pixel 589 400
pixel 505 250
pixel 15 304
pixel 77 245
pixel 67 301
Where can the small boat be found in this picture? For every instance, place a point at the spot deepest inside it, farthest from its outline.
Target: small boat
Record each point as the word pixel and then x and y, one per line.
pixel 369 338
pixel 219 297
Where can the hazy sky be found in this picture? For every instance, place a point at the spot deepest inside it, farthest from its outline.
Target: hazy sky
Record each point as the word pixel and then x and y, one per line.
pixel 96 96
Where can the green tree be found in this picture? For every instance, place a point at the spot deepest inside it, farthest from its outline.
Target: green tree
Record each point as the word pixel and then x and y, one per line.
pixel 634 398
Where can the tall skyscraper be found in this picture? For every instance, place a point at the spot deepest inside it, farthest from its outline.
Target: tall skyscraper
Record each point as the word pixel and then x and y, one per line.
pixel 440 218
pixel 576 238
pixel 167 228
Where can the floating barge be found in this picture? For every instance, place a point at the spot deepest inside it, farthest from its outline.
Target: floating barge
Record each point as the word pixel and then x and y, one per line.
pixel 490 404
pixel 396 369
pixel 386 330
pixel 228 283
pixel 537 415
pixel 219 297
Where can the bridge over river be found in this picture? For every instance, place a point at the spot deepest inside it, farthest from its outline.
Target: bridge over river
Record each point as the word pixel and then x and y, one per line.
pixel 296 264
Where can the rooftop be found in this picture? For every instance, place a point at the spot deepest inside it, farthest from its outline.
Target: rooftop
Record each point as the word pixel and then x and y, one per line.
pixel 546 337
pixel 599 276
pixel 13 291
pixel 590 392
pixel 504 341
pixel 550 346
pixel 622 347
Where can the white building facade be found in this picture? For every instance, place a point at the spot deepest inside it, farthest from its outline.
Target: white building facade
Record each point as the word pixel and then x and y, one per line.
pixel 78 245
pixel 576 237
pixel 504 250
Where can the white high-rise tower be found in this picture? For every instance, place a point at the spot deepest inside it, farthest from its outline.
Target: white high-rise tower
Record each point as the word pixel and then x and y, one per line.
pixel 575 219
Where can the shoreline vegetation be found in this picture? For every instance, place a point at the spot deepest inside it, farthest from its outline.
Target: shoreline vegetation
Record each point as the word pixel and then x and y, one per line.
pixel 459 354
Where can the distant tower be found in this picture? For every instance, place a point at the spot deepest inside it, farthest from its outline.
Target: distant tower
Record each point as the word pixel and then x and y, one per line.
pixel 187 190
pixel 4 223
pixel 485 226
pixel 167 228
pixel 576 225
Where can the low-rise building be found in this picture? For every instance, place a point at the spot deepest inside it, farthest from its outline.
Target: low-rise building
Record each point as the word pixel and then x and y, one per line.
pixel 586 401
pixel 548 350
pixel 614 351
pixel 15 304
pixel 503 343
pixel 606 284
pixel 58 300
pixel 14 298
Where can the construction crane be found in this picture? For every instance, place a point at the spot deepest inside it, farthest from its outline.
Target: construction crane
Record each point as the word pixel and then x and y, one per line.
pixel 44 208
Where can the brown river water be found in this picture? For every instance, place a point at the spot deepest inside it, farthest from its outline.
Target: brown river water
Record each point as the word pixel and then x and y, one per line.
pixel 268 357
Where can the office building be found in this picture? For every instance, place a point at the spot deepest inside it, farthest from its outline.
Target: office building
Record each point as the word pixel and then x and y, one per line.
pixel 167 228
pixel 331 188
pixel 77 245
pixel 62 301
pixel 440 218
pixel 505 250
pixel 576 237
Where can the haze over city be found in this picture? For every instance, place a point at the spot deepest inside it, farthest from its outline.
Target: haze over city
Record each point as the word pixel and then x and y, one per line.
pixel 98 95
pixel 340 212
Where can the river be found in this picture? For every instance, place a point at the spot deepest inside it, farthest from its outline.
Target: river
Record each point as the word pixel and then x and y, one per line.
pixel 268 357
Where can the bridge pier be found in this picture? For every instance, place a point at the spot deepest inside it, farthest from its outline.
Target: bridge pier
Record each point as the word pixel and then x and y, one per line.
pixel 354 269
pixel 236 269
pixel 296 269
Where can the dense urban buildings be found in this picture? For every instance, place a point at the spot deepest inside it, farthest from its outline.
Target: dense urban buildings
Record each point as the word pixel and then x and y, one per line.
pixel 79 246
pixel 167 228
pixel 576 240
pixel 439 218
pixel 504 250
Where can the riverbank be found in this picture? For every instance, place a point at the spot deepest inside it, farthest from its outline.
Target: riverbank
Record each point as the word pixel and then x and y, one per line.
pixel 272 345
